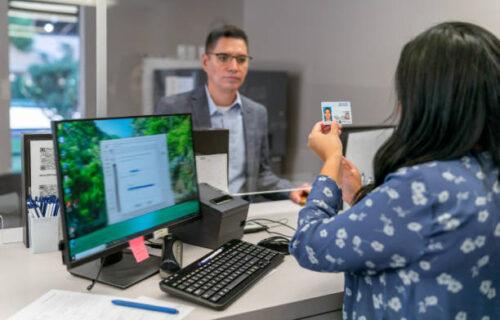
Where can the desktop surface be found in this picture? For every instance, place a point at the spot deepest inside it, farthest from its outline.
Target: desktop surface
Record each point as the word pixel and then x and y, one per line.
pixel 289 292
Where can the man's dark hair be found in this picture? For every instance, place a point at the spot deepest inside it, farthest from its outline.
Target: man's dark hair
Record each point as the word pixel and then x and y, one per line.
pixel 447 83
pixel 226 31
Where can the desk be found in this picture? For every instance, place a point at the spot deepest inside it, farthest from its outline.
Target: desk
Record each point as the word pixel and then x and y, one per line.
pixel 289 292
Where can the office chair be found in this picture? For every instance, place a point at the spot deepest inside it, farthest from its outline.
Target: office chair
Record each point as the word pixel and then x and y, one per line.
pixel 10 200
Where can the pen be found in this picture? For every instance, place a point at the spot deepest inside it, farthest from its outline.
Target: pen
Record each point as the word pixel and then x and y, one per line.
pixel 207 259
pixel 144 306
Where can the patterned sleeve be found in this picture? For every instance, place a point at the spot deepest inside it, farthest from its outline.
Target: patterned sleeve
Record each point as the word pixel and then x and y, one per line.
pixel 384 230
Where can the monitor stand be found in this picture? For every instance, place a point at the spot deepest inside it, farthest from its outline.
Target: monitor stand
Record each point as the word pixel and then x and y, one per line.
pixel 121 273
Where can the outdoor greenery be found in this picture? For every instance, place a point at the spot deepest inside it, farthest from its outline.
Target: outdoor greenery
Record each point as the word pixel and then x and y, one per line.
pixel 54 84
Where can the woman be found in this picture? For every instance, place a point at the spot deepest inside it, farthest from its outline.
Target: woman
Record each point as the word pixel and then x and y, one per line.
pixel 422 242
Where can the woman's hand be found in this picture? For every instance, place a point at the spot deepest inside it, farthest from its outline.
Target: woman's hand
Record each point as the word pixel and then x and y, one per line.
pixel 325 142
pixel 350 181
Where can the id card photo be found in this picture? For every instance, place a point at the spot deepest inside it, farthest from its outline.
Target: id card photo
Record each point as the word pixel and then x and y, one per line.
pixel 327 114
pixel 336 110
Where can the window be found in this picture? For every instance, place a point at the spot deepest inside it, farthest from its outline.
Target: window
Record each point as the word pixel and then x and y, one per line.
pixel 44 61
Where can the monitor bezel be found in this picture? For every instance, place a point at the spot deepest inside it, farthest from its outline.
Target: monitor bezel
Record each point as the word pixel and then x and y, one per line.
pixel 122 244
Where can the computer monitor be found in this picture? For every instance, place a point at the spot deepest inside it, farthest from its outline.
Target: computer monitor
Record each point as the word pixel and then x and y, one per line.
pixel 121 178
pixel 360 144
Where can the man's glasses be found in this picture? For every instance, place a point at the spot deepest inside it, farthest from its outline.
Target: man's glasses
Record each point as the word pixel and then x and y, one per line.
pixel 226 57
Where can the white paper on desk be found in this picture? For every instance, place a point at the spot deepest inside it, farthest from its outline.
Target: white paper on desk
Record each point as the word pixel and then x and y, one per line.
pixel 212 169
pixel 43 168
pixel 68 305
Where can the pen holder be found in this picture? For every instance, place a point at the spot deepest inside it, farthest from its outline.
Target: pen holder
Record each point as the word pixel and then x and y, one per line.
pixel 44 234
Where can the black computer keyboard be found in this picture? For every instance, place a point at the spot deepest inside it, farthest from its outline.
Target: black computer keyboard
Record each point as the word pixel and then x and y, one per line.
pixel 218 278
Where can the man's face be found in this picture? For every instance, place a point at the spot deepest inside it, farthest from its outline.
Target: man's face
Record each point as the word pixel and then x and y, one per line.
pixel 226 76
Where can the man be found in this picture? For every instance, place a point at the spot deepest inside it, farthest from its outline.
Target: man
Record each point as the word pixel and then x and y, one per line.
pixel 218 104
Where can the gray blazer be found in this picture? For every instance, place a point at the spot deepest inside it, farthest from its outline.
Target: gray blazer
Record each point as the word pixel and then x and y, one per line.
pixel 259 176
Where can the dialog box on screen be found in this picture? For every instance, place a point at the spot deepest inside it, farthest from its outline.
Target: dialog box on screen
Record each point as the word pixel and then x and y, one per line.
pixel 136 176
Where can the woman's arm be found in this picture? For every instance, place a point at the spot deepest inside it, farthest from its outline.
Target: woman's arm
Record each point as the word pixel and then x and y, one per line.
pixel 384 230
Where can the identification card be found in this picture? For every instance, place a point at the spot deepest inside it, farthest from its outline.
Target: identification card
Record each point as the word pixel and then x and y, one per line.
pixel 338 110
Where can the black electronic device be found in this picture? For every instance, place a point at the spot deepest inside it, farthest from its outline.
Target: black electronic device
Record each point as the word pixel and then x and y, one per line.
pixel 119 179
pixel 211 141
pixel 222 219
pixel 277 243
pixel 171 256
pixel 218 278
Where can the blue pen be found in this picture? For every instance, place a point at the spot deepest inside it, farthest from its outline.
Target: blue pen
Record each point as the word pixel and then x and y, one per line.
pixel 144 306
pixel 210 257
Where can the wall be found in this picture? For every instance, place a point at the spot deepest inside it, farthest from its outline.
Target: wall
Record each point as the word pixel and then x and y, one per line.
pixel 155 28
pixel 88 60
pixel 5 154
pixel 344 50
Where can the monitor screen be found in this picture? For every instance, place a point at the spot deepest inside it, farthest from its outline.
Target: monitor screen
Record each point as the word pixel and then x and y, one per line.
pixel 121 178
pixel 360 144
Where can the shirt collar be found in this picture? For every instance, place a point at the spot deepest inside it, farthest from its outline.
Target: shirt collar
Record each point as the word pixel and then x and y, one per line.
pixel 212 108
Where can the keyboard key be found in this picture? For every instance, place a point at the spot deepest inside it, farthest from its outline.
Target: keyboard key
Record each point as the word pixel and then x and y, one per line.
pixel 237 281
pixel 215 298
pixel 208 294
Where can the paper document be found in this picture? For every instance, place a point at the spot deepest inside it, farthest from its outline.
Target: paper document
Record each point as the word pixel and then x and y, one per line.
pixel 212 169
pixel 68 305
pixel 43 168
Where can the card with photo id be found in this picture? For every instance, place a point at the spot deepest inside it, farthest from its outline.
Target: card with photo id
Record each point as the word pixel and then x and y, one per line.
pixel 337 110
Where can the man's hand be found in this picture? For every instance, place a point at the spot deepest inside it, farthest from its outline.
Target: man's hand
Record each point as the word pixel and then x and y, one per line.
pixel 300 196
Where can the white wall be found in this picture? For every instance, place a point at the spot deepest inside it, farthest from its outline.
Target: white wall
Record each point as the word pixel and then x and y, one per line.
pixel 344 50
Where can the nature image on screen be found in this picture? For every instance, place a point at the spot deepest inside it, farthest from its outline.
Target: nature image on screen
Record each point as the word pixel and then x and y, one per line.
pixel 84 178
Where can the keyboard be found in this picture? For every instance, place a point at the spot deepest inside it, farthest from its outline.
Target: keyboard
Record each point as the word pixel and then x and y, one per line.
pixel 218 278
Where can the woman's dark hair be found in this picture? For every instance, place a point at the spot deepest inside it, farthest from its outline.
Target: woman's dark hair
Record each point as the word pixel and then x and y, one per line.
pixel 226 31
pixel 447 83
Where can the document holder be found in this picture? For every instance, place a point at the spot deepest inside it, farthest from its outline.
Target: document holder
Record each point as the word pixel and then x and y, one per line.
pixel 222 219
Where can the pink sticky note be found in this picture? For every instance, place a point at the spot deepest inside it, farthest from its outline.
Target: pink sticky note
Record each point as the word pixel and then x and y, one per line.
pixel 139 249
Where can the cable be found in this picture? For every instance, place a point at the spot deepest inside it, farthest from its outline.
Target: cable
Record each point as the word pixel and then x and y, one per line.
pixel 154 245
pixel 273 221
pixel 90 286
pixel 279 234
pixel 280 223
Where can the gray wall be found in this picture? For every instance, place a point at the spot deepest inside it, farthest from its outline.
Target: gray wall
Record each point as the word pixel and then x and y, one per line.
pixel 155 28
pixel 5 156
pixel 344 50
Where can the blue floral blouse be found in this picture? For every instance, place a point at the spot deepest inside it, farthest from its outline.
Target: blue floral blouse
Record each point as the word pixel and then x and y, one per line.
pixel 423 245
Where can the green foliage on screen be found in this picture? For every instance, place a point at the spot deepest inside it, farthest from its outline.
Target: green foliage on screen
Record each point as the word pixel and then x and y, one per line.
pixel 82 166
pixel 83 175
pixel 180 151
